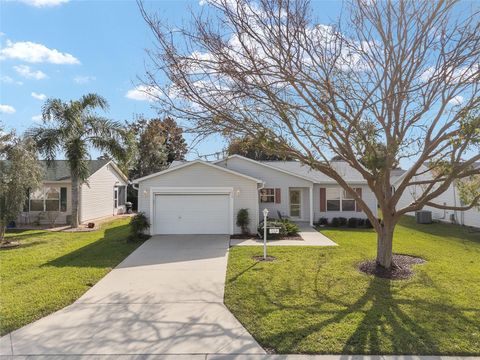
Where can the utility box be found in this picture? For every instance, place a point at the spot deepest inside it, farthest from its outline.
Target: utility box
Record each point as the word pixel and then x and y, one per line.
pixel 424 217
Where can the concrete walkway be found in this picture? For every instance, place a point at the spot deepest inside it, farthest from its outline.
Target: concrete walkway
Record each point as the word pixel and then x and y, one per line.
pixel 310 236
pixel 165 298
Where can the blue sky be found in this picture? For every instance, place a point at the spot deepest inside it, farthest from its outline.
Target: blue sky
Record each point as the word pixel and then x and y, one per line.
pixel 60 48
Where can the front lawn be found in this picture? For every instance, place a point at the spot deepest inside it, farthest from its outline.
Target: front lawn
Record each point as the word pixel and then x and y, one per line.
pixel 313 300
pixel 53 269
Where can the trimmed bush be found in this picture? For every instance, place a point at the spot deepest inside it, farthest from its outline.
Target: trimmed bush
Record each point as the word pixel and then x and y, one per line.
pixel 275 224
pixel 352 222
pixel 290 227
pixel 138 225
pixel 368 224
pixel 361 222
pixel 243 220
pixel 323 221
pixel 343 221
pixel 335 222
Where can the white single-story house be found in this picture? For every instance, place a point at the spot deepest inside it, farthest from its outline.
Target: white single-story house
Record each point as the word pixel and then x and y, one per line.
pixel 450 197
pixel 104 194
pixel 200 197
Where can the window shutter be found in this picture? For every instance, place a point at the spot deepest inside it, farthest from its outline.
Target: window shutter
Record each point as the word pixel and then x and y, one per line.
pixel 323 200
pixel 359 193
pixel 63 199
pixel 278 196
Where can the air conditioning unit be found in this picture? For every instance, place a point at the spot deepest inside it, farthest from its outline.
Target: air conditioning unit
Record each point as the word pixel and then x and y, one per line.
pixel 424 217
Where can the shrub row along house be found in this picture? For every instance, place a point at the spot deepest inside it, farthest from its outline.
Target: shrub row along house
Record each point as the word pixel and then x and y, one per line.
pixel 104 194
pixel 201 197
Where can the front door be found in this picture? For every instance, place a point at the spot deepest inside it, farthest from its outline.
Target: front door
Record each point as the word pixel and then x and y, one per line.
pixel 295 203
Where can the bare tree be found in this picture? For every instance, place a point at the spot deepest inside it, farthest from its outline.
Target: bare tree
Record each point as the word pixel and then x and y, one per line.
pixel 390 82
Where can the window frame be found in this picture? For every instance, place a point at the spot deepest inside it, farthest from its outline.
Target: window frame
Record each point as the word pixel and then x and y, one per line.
pixel 115 197
pixel 272 196
pixel 343 196
pixel 43 198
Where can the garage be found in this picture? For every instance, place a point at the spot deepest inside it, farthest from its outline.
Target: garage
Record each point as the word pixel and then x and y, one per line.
pixel 192 214
pixel 197 197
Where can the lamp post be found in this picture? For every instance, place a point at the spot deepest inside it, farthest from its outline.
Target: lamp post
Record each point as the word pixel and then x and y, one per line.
pixel 265 214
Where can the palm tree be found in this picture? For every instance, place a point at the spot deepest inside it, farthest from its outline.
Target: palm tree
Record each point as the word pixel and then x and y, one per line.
pixel 73 128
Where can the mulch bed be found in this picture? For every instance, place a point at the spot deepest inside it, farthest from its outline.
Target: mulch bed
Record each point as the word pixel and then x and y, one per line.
pixel 401 268
pixel 260 258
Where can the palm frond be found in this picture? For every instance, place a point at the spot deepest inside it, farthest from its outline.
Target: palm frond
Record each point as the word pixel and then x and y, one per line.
pixel 92 101
pixel 53 109
pixel 48 140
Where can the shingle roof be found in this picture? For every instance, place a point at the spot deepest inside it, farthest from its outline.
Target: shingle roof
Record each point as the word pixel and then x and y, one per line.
pixel 59 169
pixel 345 170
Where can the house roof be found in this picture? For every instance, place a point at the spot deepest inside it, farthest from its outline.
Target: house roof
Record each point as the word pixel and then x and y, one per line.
pixel 59 170
pixel 189 163
pixel 305 172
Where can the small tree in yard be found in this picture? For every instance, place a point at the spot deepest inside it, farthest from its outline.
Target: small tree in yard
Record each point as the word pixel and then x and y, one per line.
pixel 243 220
pixel 392 81
pixel 73 127
pixel 20 172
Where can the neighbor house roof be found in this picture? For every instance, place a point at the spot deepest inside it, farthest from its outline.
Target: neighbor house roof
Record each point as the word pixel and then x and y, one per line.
pixel 59 170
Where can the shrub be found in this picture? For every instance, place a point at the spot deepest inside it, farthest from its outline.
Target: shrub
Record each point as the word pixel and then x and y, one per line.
pixel 352 222
pixel 368 224
pixel 335 222
pixel 323 221
pixel 343 221
pixel 274 223
pixel 290 227
pixel 243 220
pixel 138 225
pixel 361 222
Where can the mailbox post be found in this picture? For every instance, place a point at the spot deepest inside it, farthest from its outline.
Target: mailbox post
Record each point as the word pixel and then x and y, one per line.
pixel 265 214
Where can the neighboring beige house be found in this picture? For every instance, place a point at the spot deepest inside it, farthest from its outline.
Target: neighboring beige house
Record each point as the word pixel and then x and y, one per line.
pixel 201 197
pixel 450 197
pixel 104 194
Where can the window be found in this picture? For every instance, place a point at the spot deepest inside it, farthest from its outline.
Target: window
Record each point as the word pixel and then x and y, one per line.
pixel 37 200
pixel 115 198
pixel 121 195
pixel 48 199
pixel 52 199
pixel 339 200
pixel 333 199
pixel 348 202
pixel 267 195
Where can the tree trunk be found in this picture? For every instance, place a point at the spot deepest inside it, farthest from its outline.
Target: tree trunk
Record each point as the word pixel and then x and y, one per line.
pixel 384 246
pixel 75 201
pixel 2 232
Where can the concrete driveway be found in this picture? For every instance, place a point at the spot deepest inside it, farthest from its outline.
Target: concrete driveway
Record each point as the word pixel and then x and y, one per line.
pixel 165 298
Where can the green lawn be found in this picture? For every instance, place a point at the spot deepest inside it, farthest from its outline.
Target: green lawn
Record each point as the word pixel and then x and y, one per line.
pixel 313 300
pixel 53 269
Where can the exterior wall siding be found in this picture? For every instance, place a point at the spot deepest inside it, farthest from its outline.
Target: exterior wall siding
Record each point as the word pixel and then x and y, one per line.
pixel 245 194
pixel 273 179
pixel 96 197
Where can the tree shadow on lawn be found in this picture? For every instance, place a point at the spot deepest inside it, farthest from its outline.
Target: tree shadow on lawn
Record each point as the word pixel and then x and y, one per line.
pixel 102 253
pixel 385 327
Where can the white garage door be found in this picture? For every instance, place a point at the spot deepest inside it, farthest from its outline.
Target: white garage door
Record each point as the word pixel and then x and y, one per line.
pixel 192 214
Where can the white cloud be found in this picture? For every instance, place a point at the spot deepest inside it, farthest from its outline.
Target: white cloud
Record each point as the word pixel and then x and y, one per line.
pixel 84 79
pixel 29 73
pixel 456 100
pixel 35 53
pixel 44 3
pixel 144 93
pixel 37 118
pixel 38 96
pixel 6 109
pixel 8 80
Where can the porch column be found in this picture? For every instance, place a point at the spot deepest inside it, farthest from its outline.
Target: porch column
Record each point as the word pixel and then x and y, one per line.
pixel 311 205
